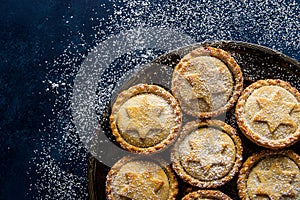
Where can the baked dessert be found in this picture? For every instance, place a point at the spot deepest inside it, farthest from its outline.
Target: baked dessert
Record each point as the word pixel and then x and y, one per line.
pixel 207 82
pixel 271 175
pixel 206 195
pixel 141 178
pixel 268 113
pixel 145 119
pixel 207 154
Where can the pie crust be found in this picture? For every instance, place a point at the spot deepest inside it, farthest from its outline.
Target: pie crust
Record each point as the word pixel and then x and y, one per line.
pixel 138 178
pixel 268 113
pixel 271 175
pixel 207 154
pixel 145 119
pixel 207 82
pixel 206 195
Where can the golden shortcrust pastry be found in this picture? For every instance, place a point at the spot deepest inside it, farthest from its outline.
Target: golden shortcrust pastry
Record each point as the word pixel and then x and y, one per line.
pixel 139 178
pixel 145 119
pixel 268 113
pixel 206 195
pixel 207 154
pixel 273 175
pixel 207 82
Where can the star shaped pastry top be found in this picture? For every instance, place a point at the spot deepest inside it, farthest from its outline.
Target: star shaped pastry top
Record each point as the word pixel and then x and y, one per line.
pixel 141 186
pixel 275 182
pixel 144 118
pixel 274 112
pixel 205 84
pixel 200 88
pixel 207 160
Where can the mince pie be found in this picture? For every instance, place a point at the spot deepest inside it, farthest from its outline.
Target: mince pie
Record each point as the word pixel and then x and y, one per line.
pixel 273 175
pixel 138 178
pixel 145 119
pixel 206 195
pixel 207 154
pixel 207 82
pixel 268 113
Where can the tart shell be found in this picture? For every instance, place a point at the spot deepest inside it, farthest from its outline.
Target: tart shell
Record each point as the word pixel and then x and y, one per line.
pixel 231 65
pixel 173 184
pixel 253 160
pixel 183 174
pixel 213 194
pixel 146 89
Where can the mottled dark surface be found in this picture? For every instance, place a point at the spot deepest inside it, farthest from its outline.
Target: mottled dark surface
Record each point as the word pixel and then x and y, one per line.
pixel 43 42
pixel 33 34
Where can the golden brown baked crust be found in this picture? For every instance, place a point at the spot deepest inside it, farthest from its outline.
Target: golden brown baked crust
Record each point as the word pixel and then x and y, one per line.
pixel 268 113
pixel 207 154
pixel 206 195
pixel 145 119
pixel 207 82
pixel 270 174
pixel 137 178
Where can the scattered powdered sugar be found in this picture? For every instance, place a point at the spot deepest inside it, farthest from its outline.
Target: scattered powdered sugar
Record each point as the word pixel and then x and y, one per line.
pixel 127 34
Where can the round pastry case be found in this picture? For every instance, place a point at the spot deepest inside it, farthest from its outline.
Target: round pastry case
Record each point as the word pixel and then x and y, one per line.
pixel 256 62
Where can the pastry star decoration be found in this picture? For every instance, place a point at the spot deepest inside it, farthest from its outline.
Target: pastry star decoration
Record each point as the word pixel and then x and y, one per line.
pixel 207 158
pixel 274 112
pixel 200 88
pixel 141 186
pixel 275 183
pixel 205 84
pixel 144 118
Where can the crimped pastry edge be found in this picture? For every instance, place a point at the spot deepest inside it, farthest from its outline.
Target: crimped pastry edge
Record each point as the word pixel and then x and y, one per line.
pixel 232 66
pixel 241 121
pixel 173 191
pixel 206 193
pixel 251 162
pixel 143 89
pixel 175 157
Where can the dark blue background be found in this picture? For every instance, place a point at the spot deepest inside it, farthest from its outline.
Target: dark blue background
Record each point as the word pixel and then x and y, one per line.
pixel 34 36
pixel 32 32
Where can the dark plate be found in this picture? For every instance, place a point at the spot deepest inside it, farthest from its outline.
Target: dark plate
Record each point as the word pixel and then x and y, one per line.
pixel 257 62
